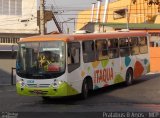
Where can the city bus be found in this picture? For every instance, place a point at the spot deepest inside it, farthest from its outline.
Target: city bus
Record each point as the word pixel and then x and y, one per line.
pixel 59 65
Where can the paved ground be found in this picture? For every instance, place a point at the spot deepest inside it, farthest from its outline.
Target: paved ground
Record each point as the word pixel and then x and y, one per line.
pixel 6 63
pixel 142 96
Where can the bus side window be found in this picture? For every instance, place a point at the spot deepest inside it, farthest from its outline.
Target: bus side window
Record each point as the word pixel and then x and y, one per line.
pixel 134 45
pixel 124 47
pixel 88 51
pixel 151 44
pixel 113 51
pixel 102 49
pixel 143 45
pixel 73 56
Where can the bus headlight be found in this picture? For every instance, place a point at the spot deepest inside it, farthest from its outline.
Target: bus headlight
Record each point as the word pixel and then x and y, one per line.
pixel 56 84
pixel 60 82
pixel 22 84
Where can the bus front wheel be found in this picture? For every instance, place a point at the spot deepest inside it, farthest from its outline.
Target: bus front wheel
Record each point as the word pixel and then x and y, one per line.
pixel 85 90
pixel 129 77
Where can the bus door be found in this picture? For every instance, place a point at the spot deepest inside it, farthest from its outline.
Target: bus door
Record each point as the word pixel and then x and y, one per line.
pixel 73 64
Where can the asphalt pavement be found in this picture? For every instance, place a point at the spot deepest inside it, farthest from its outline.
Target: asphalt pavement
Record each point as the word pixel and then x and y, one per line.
pixel 141 97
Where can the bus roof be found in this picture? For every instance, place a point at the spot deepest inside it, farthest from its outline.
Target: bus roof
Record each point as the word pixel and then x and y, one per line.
pixel 88 36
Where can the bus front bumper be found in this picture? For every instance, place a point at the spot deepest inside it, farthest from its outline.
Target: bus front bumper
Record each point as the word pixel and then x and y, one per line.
pixel 62 90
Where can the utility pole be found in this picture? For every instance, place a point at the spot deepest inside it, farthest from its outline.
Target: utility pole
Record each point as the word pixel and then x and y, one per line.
pixel 92 14
pixel 98 10
pixel 105 10
pixel 42 21
pixel 127 17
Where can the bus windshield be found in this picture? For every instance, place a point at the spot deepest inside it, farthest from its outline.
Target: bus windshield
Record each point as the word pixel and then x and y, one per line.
pixel 40 60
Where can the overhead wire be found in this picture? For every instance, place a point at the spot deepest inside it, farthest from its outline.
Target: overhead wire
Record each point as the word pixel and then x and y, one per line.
pixel 60 15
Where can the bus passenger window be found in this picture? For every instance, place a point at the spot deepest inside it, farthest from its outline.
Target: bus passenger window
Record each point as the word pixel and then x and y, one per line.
pixel 113 51
pixel 134 45
pixel 88 51
pixel 73 56
pixel 124 47
pixel 143 45
pixel 151 44
pixel 102 49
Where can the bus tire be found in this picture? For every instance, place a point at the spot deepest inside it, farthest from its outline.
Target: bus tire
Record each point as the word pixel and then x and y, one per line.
pixel 129 77
pixel 85 89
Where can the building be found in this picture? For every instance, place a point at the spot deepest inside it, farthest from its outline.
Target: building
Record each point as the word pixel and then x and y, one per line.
pixel 121 11
pixel 125 14
pixel 18 19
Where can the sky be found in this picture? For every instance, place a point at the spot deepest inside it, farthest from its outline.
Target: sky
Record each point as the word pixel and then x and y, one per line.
pixel 67 8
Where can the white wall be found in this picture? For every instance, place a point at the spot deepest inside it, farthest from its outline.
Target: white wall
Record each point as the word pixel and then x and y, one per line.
pixel 19 24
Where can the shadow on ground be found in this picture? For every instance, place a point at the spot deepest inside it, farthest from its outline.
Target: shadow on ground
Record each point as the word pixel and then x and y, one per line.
pixel 101 93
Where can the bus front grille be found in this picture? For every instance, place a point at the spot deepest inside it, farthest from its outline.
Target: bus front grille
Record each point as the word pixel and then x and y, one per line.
pixel 38 85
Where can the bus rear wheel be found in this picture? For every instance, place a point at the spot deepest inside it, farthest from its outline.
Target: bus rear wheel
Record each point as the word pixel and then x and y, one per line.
pixel 85 90
pixel 129 77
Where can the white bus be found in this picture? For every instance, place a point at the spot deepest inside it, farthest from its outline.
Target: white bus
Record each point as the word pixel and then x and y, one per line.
pixel 63 65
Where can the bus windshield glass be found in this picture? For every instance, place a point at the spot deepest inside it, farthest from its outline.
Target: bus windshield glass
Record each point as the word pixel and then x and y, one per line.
pixel 40 60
